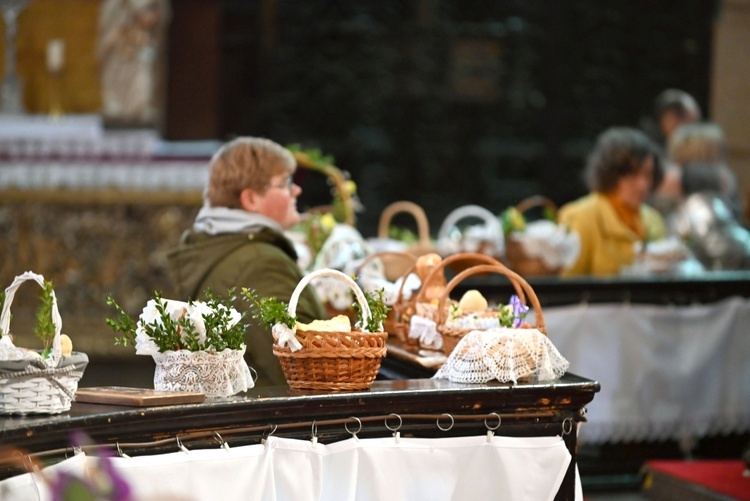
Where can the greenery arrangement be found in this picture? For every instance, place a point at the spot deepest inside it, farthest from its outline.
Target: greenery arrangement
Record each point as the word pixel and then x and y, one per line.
pixel 269 311
pixel 44 328
pixel 343 190
pixel 378 310
pixel 403 235
pixel 316 228
pixel 211 325
pixel 513 219
pixel 512 314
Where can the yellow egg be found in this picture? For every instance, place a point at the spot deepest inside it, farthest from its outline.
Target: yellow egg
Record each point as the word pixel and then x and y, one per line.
pixel 66 345
pixel 472 301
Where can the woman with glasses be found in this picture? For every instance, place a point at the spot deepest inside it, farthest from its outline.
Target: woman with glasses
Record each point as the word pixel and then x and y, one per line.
pixel 237 240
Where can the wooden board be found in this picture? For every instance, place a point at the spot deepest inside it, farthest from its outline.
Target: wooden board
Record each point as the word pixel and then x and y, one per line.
pixel 138 397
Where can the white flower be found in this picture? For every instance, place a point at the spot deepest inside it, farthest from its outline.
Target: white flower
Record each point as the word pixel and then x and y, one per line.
pixel 144 345
pixel 195 314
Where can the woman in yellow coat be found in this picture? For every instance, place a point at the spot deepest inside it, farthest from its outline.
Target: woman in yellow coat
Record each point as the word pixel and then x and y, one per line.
pixel 613 218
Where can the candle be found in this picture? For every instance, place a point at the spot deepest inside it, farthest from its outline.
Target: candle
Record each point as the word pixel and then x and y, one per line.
pixel 55 54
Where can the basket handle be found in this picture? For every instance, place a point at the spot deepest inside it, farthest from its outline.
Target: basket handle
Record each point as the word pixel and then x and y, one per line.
pixel 328 272
pixel 536 201
pixel 514 277
pixel 10 293
pixel 369 259
pixel 423 225
pixel 465 256
pixel 471 211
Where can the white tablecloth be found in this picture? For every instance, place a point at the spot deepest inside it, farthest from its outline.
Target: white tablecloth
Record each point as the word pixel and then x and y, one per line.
pixel 411 469
pixel 666 372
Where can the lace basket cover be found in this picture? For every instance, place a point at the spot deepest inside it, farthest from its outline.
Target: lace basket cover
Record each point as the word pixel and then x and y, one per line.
pixel 220 374
pixel 504 354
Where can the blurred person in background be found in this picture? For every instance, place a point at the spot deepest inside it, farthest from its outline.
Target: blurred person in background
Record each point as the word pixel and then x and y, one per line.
pixel 672 109
pixel 620 172
pixel 237 240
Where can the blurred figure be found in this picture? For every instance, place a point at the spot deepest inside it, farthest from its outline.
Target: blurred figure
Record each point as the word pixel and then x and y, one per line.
pixel 613 219
pixel 697 156
pixel 131 39
pixel 237 240
pixel 672 108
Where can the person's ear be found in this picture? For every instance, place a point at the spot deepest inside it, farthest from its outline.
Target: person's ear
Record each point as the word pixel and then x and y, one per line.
pixel 249 200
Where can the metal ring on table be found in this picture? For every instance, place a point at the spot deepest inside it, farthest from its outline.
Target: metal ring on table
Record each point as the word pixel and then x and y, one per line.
pixel 499 421
pixel 400 422
pixel 453 421
pixel 353 433
pixel 569 421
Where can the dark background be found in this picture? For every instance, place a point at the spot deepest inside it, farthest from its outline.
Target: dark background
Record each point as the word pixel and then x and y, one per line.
pixel 442 102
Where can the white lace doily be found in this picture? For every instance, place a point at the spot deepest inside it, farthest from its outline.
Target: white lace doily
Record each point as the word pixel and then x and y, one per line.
pixel 220 374
pixel 503 354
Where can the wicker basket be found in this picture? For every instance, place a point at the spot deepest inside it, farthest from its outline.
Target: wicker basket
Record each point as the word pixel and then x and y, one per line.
pixel 515 255
pixel 38 386
pixel 395 267
pixel 452 335
pixel 426 306
pixel 393 323
pixel 491 244
pixel 332 361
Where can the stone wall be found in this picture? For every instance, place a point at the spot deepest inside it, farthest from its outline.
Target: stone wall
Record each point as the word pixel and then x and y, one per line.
pixel 88 251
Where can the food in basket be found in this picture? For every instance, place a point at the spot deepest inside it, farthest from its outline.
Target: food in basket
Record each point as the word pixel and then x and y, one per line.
pixel 340 323
pixel 66 345
pixel 37 381
pixel 472 302
pixel 331 360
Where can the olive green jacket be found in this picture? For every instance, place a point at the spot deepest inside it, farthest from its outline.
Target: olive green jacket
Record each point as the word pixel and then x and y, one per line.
pixel 264 261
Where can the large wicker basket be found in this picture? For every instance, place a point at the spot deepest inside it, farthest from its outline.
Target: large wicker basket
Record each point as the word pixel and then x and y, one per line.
pixel 332 361
pixel 393 323
pixel 395 267
pixel 452 335
pixel 515 254
pixel 38 386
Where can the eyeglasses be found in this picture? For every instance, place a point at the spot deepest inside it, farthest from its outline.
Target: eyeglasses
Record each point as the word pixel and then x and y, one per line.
pixel 287 184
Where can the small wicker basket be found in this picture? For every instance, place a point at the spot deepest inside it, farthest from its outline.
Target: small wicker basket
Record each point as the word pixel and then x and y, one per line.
pixel 395 267
pixel 515 255
pixel 393 324
pixel 38 386
pixel 332 361
pixel 452 335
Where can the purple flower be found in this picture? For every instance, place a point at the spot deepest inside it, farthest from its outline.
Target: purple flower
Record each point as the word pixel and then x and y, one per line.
pixel 519 310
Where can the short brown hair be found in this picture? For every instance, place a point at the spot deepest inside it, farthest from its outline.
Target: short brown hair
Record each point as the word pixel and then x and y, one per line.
pixel 245 162
pixel 619 152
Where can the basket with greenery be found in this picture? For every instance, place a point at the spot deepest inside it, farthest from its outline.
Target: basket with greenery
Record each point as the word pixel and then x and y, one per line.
pixel 197 345
pixel 326 355
pixel 37 381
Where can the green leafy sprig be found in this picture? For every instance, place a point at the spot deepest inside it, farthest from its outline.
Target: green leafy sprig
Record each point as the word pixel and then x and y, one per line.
pixel 378 310
pixel 180 333
pixel 44 328
pixel 268 310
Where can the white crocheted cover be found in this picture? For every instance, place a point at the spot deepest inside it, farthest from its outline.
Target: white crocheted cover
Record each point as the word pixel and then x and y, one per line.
pixel 503 354
pixel 219 374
